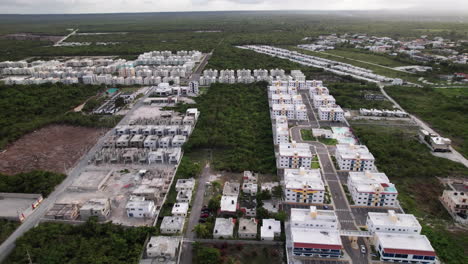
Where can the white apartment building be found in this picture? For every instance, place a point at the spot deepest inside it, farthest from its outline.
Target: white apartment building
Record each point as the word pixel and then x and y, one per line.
pixel 331 113
pixel 281 98
pixel 185 184
pixel 408 248
pixel 172 224
pixel 455 202
pixel 277 89
pixel 314 219
pixel 322 99
pixel 392 222
pixel 281 130
pixel 354 157
pixel 300 112
pixel 138 207
pixel 180 209
pixel 309 242
pixel 372 189
pixel 287 110
pixel 318 90
pixel 294 155
pixel 303 186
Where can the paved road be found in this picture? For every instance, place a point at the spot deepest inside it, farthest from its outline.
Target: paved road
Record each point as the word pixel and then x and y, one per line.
pixel 454 155
pixel 195 76
pixel 340 202
pixel 33 220
pixel 197 204
pixel 58 43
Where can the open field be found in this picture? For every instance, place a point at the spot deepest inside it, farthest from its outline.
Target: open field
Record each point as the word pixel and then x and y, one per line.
pixel 53 148
pixel 443 109
pixel 414 170
pixel 352 96
pixel 367 56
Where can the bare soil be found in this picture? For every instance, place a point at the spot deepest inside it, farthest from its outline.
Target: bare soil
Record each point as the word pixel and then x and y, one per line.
pixel 53 148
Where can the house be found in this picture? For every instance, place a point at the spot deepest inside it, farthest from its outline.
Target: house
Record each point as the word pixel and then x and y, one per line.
pixel 166 247
pixel 224 228
pixel 231 188
pixel 185 184
pixel 184 196
pixel 138 207
pixel 123 141
pixel 229 205
pixel 180 209
pixel 303 186
pixel 247 228
pixel 248 206
pixel 372 189
pixel 317 243
pixel 178 141
pixel 249 183
pixel 270 229
pixel 352 157
pixel 294 155
pixel 455 202
pixel 323 133
pixel 314 219
pixel 172 224
pixel 392 222
pixel 99 208
pixel 137 141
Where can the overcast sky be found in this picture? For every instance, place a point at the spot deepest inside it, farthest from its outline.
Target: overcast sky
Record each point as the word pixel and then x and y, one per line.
pixel 111 6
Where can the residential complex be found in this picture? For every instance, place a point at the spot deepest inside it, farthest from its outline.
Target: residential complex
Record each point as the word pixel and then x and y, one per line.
pixel 354 157
pixel 294 155
pixel 331 113
pixel 303 186
pixel 372 189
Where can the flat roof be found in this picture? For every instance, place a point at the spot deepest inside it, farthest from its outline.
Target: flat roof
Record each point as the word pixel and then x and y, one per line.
pixel 291 149
pixel 231 188
pixel 303 179
pixel 249 224
pixel 392 219
pixel 321 97
pixel 371 182
pixel 280 107
pixel 350 151
pixel 224 226
pixel 315 238
pixel 173 222
pixel 405 243
pixel 229 203
pixel 302 215
pixel 13 207
pixel 180 208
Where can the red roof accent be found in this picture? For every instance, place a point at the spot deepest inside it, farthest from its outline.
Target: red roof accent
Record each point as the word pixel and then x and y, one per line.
pixel 384 185
pixel 322 246
pixel 410 252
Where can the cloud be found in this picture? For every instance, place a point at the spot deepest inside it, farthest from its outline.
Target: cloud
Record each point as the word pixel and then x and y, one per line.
pixel 109 6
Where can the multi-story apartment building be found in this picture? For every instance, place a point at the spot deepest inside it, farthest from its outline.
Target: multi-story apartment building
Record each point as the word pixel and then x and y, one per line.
pixel 316 243
pixel 303 186
pixel 281 130
pixel 294 155
pixel 372 189
pixel 392 222
pixel 314 219
pixel 283 110
pixel 323 99
pixel 407 248
pixel 354 157
pixel 318 90
pixel 331 113
pixel 300 112
pixel 281 98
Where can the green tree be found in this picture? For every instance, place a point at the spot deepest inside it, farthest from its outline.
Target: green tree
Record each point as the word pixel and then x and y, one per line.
pixel 208 255
pixel 262 213
pixel 214 203
pixel 119 102
pixel 202 231
pixel 277 191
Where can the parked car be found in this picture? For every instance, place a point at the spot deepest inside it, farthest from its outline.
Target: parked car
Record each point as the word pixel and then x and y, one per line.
pixel 363 249
pixel 205 215
pixel 202 220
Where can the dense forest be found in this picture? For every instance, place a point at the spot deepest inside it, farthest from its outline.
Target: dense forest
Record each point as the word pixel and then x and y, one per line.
pixel 410 165
pixel 6 228
pixel 445 110
pixel 26 108
pixel 235 123
pixel 42 182
pixel 91 243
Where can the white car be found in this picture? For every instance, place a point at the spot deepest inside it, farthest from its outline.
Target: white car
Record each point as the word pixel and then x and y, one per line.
pixel 363 249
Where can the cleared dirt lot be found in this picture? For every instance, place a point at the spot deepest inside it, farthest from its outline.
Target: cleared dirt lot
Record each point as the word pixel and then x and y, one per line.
pixel 53 148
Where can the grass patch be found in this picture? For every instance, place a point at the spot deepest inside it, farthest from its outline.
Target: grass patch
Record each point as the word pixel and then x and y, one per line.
pixel 413 169
pixel 327 141
pixel 358 54
pixel 444 109
pixel 306 135
pixel 228 253
pixel 235 123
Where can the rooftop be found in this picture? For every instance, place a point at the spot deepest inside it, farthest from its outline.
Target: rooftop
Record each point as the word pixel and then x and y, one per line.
pixel 224 226
pixel 350 151
pixel 306 237
pixel 312 214
pixel 247 225
pixel 392 219
pixel 180 208
pixel 270 227
pixel 231 188
pixel 405 243
pixel 371 182
pixel 295 149
pixel 303 179
pixel 228 203
pixel 172 222
pixel 167 245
